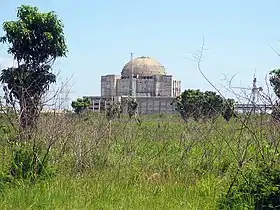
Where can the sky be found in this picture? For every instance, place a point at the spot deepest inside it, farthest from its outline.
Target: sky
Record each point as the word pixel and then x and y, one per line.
pixel 101 34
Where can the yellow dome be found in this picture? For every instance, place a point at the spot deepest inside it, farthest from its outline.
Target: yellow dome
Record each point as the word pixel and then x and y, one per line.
pixel 143 66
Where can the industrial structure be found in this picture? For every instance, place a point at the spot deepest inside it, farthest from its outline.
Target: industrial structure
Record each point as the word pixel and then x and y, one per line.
pixel 144 79
pixel 255 103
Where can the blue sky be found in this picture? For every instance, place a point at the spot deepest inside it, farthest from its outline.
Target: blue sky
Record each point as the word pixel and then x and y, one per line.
pixel 101 34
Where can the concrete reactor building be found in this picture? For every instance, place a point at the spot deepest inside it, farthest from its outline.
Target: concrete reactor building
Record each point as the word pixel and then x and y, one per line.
pixel 144 79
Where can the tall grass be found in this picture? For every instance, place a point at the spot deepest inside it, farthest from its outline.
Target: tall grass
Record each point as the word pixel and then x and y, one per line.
pixel 161 163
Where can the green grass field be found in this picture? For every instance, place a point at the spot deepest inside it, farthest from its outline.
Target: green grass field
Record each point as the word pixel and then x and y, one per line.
pixel 162 163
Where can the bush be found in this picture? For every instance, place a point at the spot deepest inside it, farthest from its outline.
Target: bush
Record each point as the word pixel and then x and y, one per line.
pixel 257 188
pixel 26 164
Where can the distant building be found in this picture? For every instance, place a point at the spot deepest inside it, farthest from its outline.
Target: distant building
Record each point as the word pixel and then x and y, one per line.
pixel 144 79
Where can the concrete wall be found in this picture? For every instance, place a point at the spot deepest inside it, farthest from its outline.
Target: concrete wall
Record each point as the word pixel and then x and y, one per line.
pixel 146 105
pixel 163 85
pixel 145 87
pixel 176 88
pixel 155 105
pixel 123 86
pixel 109 85
pixel 99 103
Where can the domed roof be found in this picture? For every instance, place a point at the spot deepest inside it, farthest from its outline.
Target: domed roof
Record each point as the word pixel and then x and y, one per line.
pixel 144 66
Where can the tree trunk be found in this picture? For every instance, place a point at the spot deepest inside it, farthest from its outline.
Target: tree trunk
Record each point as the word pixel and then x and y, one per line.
pixel 29 114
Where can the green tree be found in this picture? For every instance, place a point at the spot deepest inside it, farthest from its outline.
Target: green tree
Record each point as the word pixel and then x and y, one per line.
pixel 80 105
pixel 228 109
pixel 35 40
pixel 196 105
pixel 189 104
pixel 212 104
pixel 274 79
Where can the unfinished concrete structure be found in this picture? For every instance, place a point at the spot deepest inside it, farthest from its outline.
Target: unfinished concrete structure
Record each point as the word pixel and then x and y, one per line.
pixel 144 79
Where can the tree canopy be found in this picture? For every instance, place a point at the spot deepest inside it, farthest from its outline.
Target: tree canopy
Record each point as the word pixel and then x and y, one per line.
pixel 80 105
pixel 275 81
pixel 194 104
pixel 35 38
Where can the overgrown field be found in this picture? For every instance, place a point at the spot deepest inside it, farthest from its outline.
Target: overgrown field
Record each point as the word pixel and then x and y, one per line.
pixel 159 163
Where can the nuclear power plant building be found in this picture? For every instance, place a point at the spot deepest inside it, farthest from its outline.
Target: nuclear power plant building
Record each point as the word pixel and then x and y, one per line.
pixel 144 79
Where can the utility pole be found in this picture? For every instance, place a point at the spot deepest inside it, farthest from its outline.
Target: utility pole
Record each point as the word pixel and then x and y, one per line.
pixel 254 94
pixel 131 90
